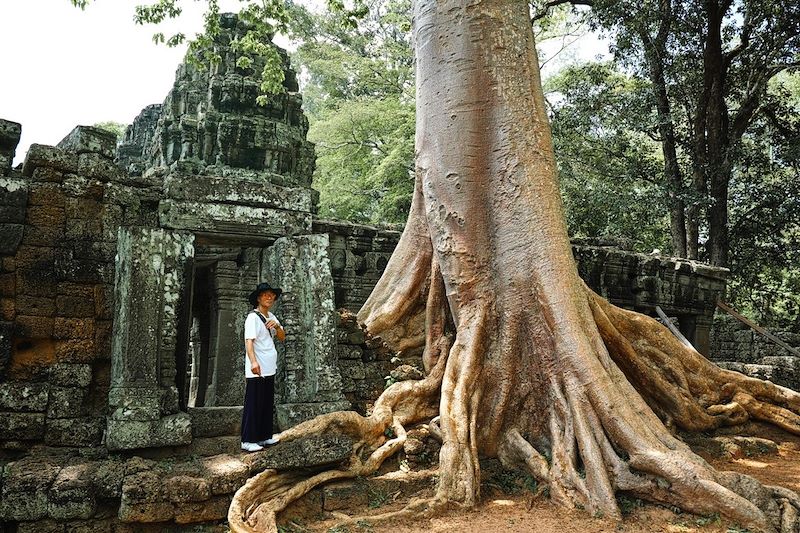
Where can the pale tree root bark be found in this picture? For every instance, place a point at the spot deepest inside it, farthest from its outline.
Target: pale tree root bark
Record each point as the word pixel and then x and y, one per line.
pixel 255 505
pixel 601 437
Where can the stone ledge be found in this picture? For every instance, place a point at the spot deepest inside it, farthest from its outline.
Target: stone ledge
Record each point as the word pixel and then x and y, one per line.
pixel 174 430
pixel 215 421
pixel 89 139
pixel 309 452
pixel 237 190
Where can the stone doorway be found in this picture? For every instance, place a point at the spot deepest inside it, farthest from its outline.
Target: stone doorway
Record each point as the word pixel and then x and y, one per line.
pixel 216 295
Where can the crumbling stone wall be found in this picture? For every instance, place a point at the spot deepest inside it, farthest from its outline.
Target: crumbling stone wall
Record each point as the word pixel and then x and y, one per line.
pixel 53 493
pixel 60 224
pixel 737 347
pixel 358 255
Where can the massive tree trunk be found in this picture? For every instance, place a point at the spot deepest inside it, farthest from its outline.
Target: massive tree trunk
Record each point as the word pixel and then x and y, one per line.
pixel 523 361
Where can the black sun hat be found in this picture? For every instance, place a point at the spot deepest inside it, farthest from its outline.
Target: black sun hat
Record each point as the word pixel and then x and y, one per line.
pixel 262 287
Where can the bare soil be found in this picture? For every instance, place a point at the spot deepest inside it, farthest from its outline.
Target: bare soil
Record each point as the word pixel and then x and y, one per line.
pixel 509 506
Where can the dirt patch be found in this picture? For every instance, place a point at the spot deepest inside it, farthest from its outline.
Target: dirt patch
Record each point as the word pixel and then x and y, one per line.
pixel 509 506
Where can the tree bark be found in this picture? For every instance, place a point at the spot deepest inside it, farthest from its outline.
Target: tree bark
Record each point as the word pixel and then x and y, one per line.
pixel 655 53
pixel 524 362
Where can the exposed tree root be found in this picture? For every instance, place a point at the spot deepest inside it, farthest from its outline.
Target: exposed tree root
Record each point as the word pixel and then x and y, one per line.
pixel 524 362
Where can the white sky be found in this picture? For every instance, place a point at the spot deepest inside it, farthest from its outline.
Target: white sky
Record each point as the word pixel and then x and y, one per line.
pixel 64 67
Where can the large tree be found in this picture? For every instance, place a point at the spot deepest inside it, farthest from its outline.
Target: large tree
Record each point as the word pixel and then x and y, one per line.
pixel 523 361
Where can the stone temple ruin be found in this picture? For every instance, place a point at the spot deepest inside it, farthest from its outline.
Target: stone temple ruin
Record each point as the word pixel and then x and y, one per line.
pixel 124 272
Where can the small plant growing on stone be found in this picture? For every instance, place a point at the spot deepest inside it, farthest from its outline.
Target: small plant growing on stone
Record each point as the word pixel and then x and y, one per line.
pixel 710 519
pixel 377 498
pixel 627 504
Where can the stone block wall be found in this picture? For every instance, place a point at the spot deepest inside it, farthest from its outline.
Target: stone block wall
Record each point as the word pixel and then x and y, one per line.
pixel 358 255
pixel 366 365
pixel 69 492
pixel 737 347
pixel 59 218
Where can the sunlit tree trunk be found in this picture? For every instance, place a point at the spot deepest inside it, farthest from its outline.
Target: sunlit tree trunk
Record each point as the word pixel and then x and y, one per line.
pixel 523 361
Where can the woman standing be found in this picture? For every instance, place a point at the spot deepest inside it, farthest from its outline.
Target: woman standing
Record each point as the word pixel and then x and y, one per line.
pixel 260 366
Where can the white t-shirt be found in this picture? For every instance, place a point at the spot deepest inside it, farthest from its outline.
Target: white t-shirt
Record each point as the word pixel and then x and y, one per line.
pixel 266 354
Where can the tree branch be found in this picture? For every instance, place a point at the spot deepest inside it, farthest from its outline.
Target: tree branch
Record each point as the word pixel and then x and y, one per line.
pixel 554 3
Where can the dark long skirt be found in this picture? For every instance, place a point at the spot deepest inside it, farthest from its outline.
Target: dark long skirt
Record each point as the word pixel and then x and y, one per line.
pixel 259 397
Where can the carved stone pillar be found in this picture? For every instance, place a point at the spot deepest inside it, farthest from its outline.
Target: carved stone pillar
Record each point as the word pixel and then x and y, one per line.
pixel 231 286
pixel 308 381
pixel 143 398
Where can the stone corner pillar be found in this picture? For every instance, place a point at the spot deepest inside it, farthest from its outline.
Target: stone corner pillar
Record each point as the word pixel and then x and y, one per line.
pixel 149 284
pixel 308 381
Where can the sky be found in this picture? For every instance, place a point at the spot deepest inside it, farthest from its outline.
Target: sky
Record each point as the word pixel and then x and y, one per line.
pixel 63 67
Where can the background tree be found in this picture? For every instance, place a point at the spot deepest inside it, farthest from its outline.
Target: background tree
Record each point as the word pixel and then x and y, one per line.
pixel 710 64
pixel 117 128
pixel 358 95
pixel 609 167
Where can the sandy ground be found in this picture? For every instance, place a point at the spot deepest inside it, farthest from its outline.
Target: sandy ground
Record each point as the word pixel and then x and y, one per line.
pixel 519 512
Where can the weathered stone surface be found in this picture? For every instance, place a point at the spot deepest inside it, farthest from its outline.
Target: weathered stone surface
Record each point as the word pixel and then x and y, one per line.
pixel 66 402
pixel 34 327
pixel 291 414
pixel 6 331
pixel 12 214
pixel 71 375
pixel 215 421
pixel 81 432
pixel 146 512
pixel 71 495
pixel 208 446
pixel 172 430
pixel 137 137
pixel 10 133
pixel 22 426
pixel 211 118
pixel 36 306
pixel 207 511
pixel 40 155
pixel 226 472
pixel 299 265
pixel 107 477
pixel 41 526
pixel 149 285
pixel 10 238
pixel 185 488
pixel 232 219
pixel 25 396
pixel 245 190
pixel 88 139
pixel 302 453
pixel 25 486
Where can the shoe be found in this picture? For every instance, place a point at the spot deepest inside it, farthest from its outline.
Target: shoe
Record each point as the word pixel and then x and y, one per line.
pixel 269 442
pixel 251 447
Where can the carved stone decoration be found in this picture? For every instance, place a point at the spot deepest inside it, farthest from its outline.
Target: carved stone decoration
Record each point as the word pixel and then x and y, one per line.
pixel 309 382
pixel 143 398
pixel 232 284
pixel 212 124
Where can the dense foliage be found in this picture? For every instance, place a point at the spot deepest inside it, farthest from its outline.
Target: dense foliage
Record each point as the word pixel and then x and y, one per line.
pixel 359 96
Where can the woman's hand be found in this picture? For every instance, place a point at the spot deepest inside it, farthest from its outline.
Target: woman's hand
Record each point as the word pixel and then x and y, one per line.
pixel 255 368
